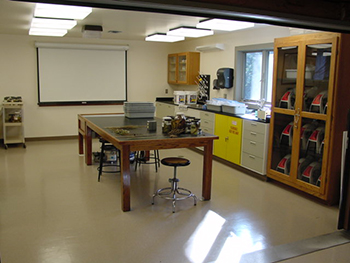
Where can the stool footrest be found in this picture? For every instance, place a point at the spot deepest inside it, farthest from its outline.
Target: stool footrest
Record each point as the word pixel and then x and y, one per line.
pixel 170 193
pixel 142 158
pixel 100 168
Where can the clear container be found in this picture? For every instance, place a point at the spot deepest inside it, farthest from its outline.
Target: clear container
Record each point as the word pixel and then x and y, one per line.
pixel 166 124
pixel 195 126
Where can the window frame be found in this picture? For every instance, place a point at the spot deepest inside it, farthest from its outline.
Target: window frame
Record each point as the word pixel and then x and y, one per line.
pixel 240 53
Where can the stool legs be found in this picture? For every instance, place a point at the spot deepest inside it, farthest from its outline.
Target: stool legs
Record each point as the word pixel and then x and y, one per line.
pixel 173 193
pixel 101 160
pixel 141 158
pixel 101 165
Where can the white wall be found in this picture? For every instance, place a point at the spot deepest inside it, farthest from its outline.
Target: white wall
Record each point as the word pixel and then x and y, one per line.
pixel 147 79
pixel 147 73
pixel 211 61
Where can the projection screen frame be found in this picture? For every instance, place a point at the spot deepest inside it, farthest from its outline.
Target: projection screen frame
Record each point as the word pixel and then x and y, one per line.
pixel 82 48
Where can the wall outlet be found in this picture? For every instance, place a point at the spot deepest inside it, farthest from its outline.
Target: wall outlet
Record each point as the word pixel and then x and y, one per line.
pixel 166 91
pixel 225 96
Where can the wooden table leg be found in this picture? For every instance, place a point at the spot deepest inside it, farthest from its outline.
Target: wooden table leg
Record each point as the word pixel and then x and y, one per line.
pixel 207 170
pixel 81 143
pixel 125 178
pixel 88 145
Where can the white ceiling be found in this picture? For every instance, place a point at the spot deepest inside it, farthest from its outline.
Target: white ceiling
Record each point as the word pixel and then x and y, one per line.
pixel 15 18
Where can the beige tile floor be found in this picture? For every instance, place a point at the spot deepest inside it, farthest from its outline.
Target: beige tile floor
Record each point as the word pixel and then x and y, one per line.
pixel 53 210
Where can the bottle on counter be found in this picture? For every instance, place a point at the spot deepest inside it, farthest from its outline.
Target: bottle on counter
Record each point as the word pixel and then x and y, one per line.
pixel 166 124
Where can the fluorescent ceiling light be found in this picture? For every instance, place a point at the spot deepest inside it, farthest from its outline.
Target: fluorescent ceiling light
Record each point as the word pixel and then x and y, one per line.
pixel 47 32
pixel 53 23
pixel 186 31
pixel 223 24
pixel 61 11
pixel 162 37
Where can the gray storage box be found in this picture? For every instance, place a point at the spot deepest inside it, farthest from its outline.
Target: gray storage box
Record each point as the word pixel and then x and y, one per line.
pixel 237 110
pixel 139 109
pixel 136 115
pixel 214 107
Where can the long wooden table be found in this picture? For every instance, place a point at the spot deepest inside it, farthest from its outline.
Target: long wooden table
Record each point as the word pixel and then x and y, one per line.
pixel 139 139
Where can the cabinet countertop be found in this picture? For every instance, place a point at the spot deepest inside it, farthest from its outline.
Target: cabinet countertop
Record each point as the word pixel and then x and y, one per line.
pixel 200 108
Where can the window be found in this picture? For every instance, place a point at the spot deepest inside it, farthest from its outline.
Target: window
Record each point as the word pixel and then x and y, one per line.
pixel 254 70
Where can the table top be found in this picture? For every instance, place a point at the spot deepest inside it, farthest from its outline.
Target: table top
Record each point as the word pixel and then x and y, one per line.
pixel 137 128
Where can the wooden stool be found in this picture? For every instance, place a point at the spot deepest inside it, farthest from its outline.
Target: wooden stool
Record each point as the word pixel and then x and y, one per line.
pixel 106 146
pixel 141 157
pixel 173 193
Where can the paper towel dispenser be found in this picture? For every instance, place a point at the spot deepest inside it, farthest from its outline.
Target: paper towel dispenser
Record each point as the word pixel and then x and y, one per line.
pixel 224 78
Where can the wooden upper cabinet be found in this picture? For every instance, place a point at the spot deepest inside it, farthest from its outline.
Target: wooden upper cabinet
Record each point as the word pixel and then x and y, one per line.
pixel 183 68
pixel 309 106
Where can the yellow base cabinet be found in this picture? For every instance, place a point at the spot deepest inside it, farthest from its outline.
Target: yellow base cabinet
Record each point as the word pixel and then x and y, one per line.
pixel 310 101
pixel 183 68
pixel 229 130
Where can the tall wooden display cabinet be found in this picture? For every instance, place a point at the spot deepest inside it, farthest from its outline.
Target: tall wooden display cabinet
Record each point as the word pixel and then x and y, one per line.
pixel 311 98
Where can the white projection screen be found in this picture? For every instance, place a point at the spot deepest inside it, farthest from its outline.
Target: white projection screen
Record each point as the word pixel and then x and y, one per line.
pixel 70 74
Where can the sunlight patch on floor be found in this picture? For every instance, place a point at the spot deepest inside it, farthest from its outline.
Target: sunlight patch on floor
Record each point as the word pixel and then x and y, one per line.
pixel 204 237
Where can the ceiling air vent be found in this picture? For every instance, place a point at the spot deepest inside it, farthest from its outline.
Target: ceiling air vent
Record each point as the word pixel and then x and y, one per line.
pixel 92 31
pixel 214 47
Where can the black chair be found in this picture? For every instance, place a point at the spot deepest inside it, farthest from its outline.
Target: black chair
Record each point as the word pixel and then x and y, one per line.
pixel 145 157
pixel 107 163
pixel 173 193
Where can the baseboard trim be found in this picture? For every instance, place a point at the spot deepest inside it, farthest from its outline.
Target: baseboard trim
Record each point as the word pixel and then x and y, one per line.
pixel 52 138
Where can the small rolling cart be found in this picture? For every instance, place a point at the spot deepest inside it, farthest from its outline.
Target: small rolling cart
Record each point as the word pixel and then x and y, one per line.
pixel 12 120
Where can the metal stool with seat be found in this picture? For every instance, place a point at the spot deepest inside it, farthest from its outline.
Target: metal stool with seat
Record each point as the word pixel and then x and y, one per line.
pixel 144 157
pixel 173 193
pixel 112 162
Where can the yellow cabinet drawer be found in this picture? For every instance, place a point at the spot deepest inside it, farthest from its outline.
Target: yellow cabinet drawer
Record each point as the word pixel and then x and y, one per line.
pixel 253 147
pixel 253 162
pixel 254 126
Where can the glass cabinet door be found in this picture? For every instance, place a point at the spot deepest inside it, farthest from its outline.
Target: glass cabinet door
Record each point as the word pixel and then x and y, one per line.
pixel 182 69
pixel 313 111
pixel 284 104
pixel 282 143
pixel 316 78
pixel 172 68
pixel 312 134
pixel 286 77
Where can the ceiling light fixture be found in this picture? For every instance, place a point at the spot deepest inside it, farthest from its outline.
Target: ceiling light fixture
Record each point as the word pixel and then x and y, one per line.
pixel 47 32
pixel 187 31
pixel 162 37
pixel 223 24
pixel 53 23
pixel 61 11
